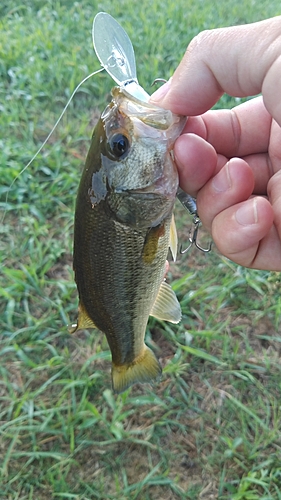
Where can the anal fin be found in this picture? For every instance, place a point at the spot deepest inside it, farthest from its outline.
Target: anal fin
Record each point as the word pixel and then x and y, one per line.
pixel 166 306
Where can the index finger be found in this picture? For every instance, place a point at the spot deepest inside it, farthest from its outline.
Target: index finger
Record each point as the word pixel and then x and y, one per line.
pixel 241 61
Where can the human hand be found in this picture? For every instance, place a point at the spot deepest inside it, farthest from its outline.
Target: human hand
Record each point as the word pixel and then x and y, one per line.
pixel 230 160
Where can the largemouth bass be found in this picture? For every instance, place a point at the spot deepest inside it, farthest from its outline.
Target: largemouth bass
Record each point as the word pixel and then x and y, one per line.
pixel 123 230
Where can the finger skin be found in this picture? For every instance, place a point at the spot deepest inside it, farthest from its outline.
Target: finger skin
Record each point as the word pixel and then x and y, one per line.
pixel 240 131
pixel 247 131
pixel 255 245
pixel 196 161
pixel 227 60
pixel 241 61
pixel 274 195
pixel 241 225
pixel 231 185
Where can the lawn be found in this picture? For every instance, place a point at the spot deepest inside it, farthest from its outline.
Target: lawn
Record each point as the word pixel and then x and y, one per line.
pixel 211 427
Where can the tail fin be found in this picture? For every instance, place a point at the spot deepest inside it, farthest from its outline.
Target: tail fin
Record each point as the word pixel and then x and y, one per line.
pixel 144 368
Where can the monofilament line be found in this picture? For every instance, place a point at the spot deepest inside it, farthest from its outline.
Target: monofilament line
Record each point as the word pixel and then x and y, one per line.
pixel 49 135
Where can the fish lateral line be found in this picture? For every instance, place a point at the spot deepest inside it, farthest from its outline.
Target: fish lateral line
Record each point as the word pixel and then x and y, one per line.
pixel 48 136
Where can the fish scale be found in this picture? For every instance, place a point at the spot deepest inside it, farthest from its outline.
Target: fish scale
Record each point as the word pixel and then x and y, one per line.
pixel 127 286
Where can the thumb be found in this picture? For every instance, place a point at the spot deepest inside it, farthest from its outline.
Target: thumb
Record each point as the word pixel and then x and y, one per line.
pixel 241 61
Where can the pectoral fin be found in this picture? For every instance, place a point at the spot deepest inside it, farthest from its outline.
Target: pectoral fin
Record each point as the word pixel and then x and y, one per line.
pixel 150 247
pixel 173 239
pixel 166 306
pixel 83 322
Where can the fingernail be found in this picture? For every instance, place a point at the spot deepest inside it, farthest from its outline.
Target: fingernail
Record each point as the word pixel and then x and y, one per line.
pixel 247 214
pixel 222 181
pixel 161 92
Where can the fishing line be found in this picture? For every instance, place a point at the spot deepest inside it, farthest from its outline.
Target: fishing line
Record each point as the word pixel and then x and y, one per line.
pixel 48 136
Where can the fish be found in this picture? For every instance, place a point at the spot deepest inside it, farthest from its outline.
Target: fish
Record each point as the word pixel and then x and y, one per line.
pixel 123 230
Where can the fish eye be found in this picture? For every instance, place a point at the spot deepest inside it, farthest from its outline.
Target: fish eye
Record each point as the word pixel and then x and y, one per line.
pixel 119 145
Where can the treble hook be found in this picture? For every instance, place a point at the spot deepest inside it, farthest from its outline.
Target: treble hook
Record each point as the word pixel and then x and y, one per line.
pixel 189 204
pixel 193 238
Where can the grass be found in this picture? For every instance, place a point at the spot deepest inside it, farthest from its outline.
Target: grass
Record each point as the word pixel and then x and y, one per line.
pixel 211 427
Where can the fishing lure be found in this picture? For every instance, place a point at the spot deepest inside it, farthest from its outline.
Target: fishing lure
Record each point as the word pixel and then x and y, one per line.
pixel 115 52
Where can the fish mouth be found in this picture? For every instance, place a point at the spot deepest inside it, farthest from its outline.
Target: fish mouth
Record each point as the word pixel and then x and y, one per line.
pixel 149 207
pixel 163 187
pixel 144 193
pixel 151 195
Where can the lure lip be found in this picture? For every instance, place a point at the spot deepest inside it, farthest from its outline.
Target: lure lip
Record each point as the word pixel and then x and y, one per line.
pixel 114 48
pixel 115 52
